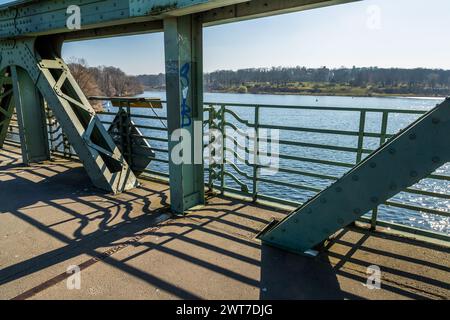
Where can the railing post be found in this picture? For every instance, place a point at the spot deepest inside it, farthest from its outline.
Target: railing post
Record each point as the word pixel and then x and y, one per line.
pixel 210 155
pixel 256 155
pixel 362 125
pixel 128 136
pixel 224 141
pixel 384 123
pixel 121 130
pixel 67 154
pixel 373 220
pixel 50 122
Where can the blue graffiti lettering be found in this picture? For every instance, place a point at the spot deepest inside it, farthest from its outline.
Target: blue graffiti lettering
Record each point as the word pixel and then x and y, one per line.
pixel 186 119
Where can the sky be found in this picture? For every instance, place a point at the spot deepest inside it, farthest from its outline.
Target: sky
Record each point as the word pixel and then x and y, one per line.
pixel 383 33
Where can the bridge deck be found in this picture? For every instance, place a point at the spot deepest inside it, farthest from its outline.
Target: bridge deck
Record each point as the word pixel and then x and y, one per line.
pixel 51 218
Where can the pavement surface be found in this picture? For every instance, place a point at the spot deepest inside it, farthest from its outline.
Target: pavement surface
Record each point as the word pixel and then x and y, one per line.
pixel 128 246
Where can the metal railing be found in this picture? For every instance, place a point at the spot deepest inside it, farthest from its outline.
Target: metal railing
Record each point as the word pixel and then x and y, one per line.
pixel 247 182
pixel 303 175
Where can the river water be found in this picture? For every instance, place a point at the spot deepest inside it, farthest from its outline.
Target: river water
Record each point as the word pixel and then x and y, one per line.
pixel 336 120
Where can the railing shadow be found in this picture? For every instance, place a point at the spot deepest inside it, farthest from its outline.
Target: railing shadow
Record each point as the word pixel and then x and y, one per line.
pixel 405 263
pixel 66 185
pixel 282 275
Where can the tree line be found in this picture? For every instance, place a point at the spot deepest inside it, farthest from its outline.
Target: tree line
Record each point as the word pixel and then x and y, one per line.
pixel 111 81
pixel 371 80
pixel 103 80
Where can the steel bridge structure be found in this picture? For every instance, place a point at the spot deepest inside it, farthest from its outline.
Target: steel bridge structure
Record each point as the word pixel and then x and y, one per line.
pixel 33 74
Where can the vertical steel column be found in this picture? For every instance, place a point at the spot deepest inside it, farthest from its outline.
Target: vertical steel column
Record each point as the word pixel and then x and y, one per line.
pixel 184 83
pixel 30 117
pixel 6 103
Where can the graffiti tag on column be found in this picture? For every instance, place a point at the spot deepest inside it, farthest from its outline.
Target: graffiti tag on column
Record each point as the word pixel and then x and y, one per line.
pixel 186 118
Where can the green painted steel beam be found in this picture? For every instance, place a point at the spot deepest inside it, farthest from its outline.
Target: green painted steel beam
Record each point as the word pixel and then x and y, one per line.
pixel 30 117
pixel 49 17
pixel 6 103
pixel 135 28
pixel 262 8
pixel 404 160
pixel 40 58
pixel 184 86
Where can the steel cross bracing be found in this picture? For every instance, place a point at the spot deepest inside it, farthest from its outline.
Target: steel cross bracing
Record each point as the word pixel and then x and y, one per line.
pixel 404 160
pixel 41 62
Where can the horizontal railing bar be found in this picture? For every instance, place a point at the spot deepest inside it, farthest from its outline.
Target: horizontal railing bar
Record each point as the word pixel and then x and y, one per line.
pixel 12 143
pixel 416 208
pixel 150 127
pixel 428 193
pixel 151 138
pixel 141 126
pixel 409 229
pixel 301 173
pixel 325 131
pixel 269 106
pixel 439 177
pixel 160 150
pixel 318 161
pixel 279 200
pixel 233 190
pixel 260 197
pixel 312 130
pixel 318 146
pixel 143 116
pixel 157 173
pixel 291 185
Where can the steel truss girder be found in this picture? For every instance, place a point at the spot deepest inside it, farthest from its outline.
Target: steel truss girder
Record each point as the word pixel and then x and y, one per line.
pixel 49 17
pixel 262 8
pixel 404 160
pixel 101 158
pixel 6 103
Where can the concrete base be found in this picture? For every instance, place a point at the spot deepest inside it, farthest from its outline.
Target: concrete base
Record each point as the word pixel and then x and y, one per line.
pixel 128 247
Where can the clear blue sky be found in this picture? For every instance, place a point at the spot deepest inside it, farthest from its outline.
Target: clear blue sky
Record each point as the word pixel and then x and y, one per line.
pixel 384 33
